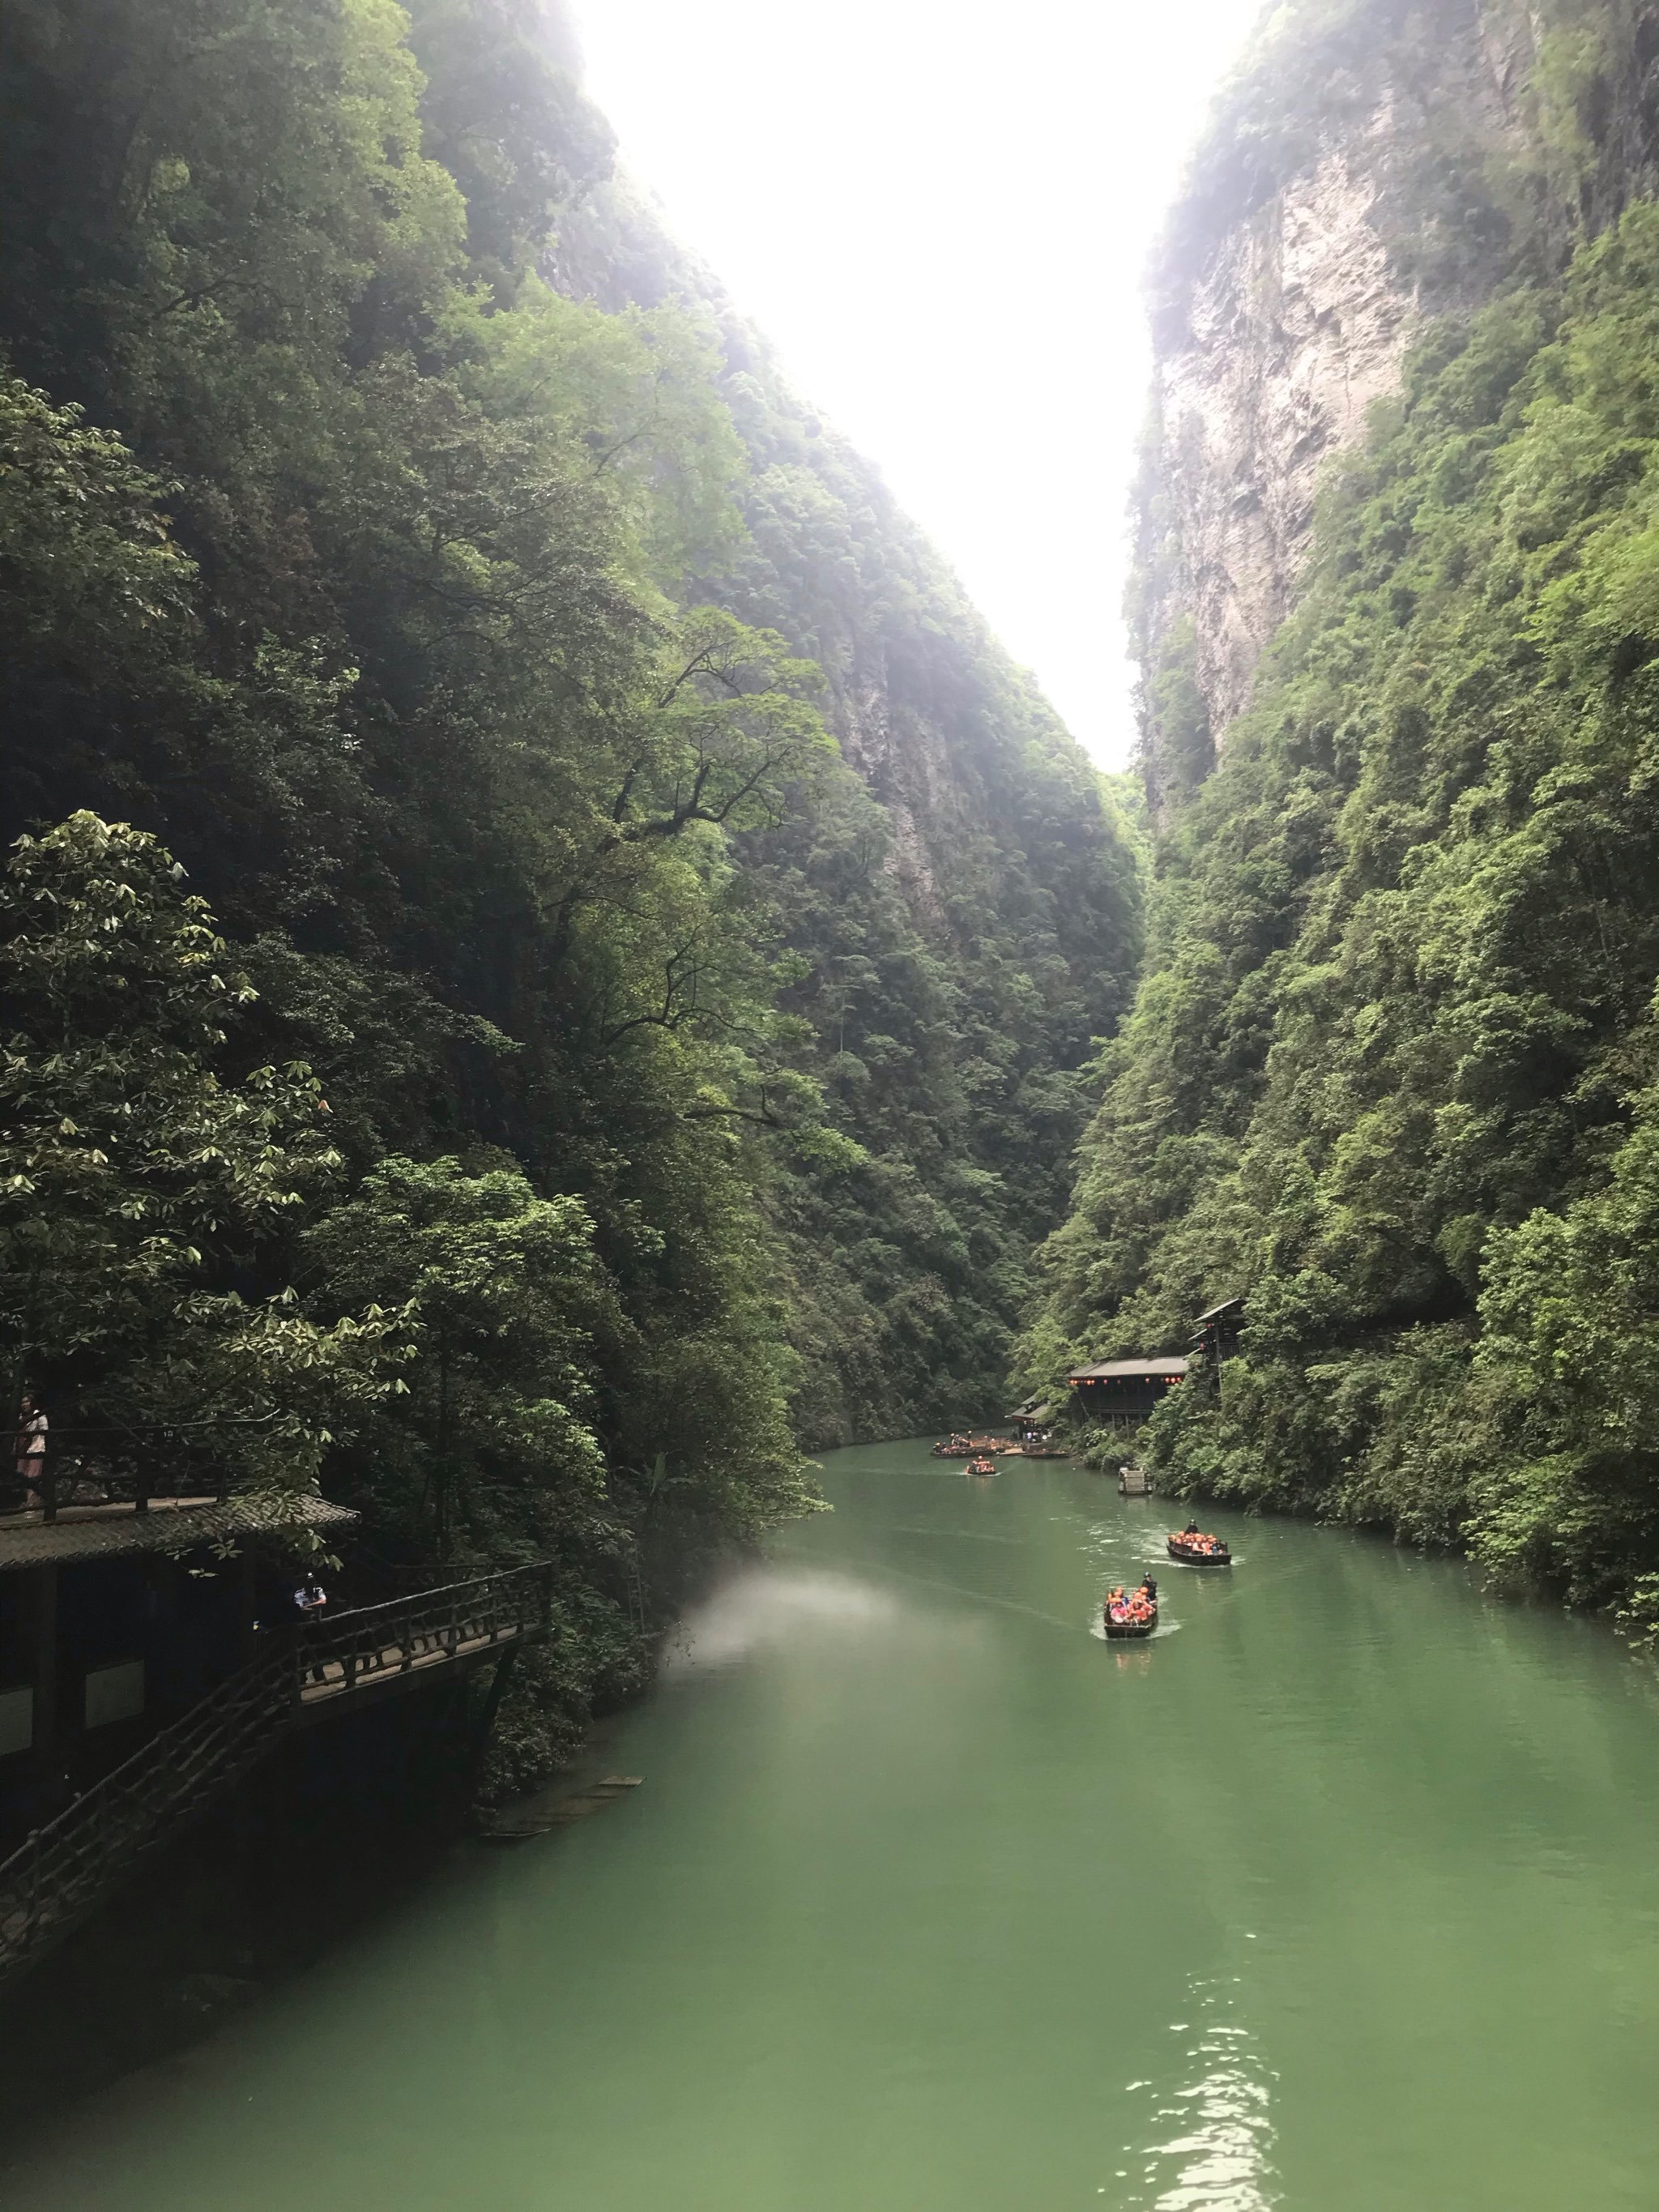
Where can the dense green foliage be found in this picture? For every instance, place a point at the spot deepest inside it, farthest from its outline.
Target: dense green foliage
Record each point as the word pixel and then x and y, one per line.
pixel 396 532
pixel 966 908
pixel 1394 1072
pixel 138 1192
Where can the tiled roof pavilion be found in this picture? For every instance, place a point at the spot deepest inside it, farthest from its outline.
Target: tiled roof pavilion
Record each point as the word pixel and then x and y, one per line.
pixel 171 1524
pixel 1106 1370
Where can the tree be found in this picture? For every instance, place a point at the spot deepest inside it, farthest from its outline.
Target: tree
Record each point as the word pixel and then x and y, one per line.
pixel 491 1439
pixel 144 1199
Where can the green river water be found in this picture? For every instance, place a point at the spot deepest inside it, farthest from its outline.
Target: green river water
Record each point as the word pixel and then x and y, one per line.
pixel 1342 1894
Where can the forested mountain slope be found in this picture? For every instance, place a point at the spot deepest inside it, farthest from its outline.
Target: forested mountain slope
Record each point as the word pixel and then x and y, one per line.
pixel 1392 1071
pixel 395 531
pixel 967 901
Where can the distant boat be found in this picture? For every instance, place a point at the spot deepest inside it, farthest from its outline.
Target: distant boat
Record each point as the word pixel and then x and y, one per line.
pixel 980 1465
pixel 1193 1548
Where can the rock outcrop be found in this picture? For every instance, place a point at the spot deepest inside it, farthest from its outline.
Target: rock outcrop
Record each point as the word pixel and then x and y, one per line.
pixel 1298 325
pixel 1365 173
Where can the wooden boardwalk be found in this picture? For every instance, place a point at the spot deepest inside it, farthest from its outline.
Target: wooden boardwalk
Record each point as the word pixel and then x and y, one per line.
pixel 389 1664
pixel 65 1871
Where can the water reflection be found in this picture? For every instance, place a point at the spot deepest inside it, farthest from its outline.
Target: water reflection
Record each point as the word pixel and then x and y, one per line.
pixel 1218 2157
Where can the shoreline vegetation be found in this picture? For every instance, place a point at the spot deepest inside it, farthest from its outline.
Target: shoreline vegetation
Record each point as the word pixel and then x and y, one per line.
pixel 1391 1072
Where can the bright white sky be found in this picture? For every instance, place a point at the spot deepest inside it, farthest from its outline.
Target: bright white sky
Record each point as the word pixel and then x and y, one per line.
pixel 941 215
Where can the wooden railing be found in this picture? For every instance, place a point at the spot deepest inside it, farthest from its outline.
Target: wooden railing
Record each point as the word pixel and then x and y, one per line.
pixel 128 1465
pixel 374 1643
pixel 65 1483
pixel 66 1869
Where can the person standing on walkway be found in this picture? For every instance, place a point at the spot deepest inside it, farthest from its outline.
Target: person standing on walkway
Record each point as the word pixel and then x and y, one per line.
pixel 31 1448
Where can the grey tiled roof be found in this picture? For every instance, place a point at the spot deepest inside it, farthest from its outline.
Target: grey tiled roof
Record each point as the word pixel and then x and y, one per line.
pixel 1110 1370
pixel 172 1524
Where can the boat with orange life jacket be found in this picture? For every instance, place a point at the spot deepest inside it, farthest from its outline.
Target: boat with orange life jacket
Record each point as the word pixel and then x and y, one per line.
pixel 980 1465
pixel 1131 1614
pixel 1194 1547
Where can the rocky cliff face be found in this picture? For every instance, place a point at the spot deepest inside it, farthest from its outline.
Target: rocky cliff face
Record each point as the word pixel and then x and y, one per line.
pixel 1389 1076
pixel 1367 173
pixel 1297 325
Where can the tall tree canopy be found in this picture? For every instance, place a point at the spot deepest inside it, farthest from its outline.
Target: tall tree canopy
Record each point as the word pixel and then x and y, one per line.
pixel 400 533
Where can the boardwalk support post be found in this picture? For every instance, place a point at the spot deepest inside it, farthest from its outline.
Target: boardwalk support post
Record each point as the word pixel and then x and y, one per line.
pixel 498 1682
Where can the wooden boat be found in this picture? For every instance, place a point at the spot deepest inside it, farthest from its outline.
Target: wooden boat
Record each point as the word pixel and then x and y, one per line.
pixel 954 1448
pixel 1191 1552
pixel 980 1465
pixel 1129 1618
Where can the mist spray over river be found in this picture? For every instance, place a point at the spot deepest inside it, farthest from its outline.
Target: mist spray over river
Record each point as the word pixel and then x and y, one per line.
pixel 1341 1894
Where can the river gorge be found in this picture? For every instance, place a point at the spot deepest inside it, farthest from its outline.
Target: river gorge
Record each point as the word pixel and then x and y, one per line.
pixel 1341 1891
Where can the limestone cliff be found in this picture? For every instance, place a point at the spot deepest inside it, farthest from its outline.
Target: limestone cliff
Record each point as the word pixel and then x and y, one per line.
pixel 1369 171
pixel 1390 1077
pixel 1297 325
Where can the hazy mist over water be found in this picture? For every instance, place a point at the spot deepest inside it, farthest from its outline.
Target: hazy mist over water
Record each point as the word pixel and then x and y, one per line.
pixel 941 216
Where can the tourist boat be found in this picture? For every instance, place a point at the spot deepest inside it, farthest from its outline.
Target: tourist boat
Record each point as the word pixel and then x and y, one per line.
pixel 955 1447
pixel 1195 1549
pixel 1128 1619
pixel 980 1465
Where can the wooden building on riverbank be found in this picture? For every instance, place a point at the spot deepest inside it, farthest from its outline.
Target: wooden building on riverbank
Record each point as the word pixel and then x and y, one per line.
pixel 1218 1331
pixel 116 1619
pixel 1120 1394
pixel 152 1654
